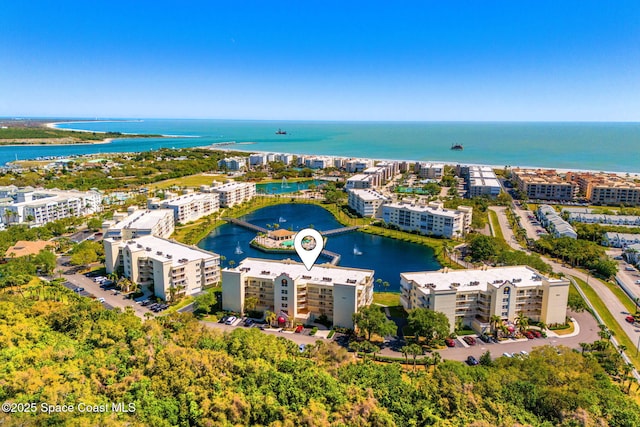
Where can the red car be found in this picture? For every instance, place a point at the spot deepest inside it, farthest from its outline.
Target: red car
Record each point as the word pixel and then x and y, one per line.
pixel 529 335
pixel 299 329
pixel 470 340
pixel 537 334
pixel 449 342
pixel 630 319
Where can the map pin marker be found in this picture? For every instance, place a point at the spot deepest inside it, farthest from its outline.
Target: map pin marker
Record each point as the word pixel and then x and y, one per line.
pixel 304 246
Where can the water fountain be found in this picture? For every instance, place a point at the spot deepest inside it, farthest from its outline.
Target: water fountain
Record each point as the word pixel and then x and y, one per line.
pixel 284 184
pixel 239 250
pixel 356 251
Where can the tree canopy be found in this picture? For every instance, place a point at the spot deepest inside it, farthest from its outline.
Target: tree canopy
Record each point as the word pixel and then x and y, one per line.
pixel 371 320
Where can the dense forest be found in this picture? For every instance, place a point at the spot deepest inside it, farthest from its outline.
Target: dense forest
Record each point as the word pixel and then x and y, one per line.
pixel 58 348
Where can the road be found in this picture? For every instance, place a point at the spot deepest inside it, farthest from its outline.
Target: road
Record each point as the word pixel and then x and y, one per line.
pixel 525 222
pixel 507 231
pixel 610 300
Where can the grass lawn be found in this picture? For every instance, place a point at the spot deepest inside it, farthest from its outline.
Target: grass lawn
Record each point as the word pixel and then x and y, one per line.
pixel 495 225
pixel 567 331
pixel 619 293
pixel 386 298
pixel 609 321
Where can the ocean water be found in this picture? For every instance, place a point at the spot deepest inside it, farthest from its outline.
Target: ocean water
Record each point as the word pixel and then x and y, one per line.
pixel 591 146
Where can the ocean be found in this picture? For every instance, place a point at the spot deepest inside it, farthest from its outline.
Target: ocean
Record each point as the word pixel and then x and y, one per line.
pixel 588 146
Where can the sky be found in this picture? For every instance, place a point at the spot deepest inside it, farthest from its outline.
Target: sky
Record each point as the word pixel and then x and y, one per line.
pixel 322 60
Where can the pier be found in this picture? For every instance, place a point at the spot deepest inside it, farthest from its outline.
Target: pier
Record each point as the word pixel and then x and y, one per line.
pixel 246 224
pixel 340 230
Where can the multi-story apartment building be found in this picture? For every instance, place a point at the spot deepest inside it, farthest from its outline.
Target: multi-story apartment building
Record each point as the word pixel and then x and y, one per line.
pixel 632 253
pixel 233 163
pixel 40 206
pixel 554 223
pixel 357 165
pixel 607 188
pixel 233 193
pixel 318 162
pixel 360 181
pixel 474 296
pixel 367 203
pixel 139 222
pixel 586 215
pixel 429 170
pixel 283 157
pixel 432 219
pixel 482 181
pixel 188 207
pixel 544 184
pixel 289 289
pixel 168 267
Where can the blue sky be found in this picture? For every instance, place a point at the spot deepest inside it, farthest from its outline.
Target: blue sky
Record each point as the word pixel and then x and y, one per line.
pixel 348 60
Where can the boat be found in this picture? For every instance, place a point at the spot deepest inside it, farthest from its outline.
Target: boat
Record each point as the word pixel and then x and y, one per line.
pixel 457 147
pixel 281 132
pixel 281 219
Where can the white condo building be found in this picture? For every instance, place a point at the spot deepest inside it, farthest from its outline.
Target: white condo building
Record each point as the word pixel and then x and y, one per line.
pixel 432 219
pixel 473 296
pixel 188 207
pixel 287 288
pixel 367 203
pixel 233 193
pixel 429 170
pixel 168 267
pixel 233 163
pixel 41 206
pixel 620 240
pixel 482 181
pixel 360 181
pixel 139 222
pixel 553 222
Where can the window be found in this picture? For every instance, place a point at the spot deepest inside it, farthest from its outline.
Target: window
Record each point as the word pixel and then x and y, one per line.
pixel 507 290
pixel 284 305
pixel 285 299
pixel 285 292
pixel 284 283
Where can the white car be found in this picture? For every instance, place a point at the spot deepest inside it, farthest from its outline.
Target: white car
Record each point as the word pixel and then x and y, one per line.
pixel 230 320
pixel 100 300
pixel 637 282
pixel 524 353
pixel 505 354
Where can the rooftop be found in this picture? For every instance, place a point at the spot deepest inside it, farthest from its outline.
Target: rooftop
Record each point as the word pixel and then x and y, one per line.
pixel 188 198
pixel 476 280
pixel 167 250
pixel 24 248
pixel 321 274
pixel 424 208
pixel 230 186
pixel 143 219
pixel 367 194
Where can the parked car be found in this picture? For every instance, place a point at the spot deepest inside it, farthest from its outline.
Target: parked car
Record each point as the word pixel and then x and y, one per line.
pixel 230 320
pixel 472 361
pixel 629 268
pixel 469 340
pixel 224 319
pixel 485 338
pixel 529 335
pixel 637 282
pixel 536 334
pixel 299 329
pixel 78 290
pixel 630 319
pixel 509 355
pixel 524 353
pixel 302 347
pixel 248 322
pixel 100 299
pixel 449 342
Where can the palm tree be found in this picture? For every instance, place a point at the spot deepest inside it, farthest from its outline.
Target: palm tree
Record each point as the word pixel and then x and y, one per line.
pixel 270 317
pixel 495 320
pixel 522 321
pixel 405 352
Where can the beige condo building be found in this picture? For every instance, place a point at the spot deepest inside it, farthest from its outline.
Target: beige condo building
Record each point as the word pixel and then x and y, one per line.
pixel 289 289
pixel 473 296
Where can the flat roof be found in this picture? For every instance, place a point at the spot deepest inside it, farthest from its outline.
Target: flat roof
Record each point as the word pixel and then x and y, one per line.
pixel 188 198
pixel 268 269
pixel 359 177
pixel 24 248
pixel 426 209
pixel 161 248
pixel 143 219
pixel 476 280
pixel 367 194
pixel 230 186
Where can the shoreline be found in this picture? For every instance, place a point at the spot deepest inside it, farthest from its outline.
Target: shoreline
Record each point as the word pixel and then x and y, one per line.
pixel 228 148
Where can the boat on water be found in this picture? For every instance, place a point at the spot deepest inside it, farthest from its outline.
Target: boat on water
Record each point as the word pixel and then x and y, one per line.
pixel 457 147
pixel 281 132
pixel 281 219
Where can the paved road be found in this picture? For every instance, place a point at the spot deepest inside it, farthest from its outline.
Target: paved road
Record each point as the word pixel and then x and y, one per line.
pixel 507 231
pixel 526 223
pixel 611 301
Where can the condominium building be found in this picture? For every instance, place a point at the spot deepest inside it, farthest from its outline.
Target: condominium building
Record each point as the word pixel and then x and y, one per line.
pixel 300 295
pixel 188 207
pixel 139 222
pixel 233 193
pixel 40 206
pixel 318 162
pixel 632 253
pixel 283 157
pixel 233 163
pixel 482 181
pixel 367 203
pixel 432 219
pixel 620 240
pixel 607 188
pixel 554 223
pixel 429 170
pixel 544 184
pixel 357 165
pixel 474 296
pixel 168 267
pixel 585 215
pixel 360 181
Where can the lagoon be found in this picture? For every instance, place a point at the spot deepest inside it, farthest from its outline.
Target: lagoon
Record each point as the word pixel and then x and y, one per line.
pixel 388 257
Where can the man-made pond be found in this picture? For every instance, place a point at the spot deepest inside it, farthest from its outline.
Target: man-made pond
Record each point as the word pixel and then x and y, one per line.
pixel 284 186
pixel 388 257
